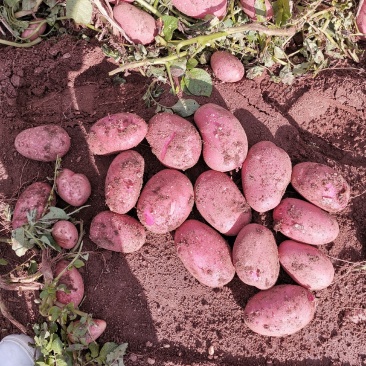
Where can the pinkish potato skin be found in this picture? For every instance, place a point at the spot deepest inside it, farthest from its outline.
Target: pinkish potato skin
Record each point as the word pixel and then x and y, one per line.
pixel 33 25
pixel 43 143
pixel 115 133
pixel 304 222
pixel 361 18
pixel 280 311
pixel 249 9
pixel 166 201
pixel 116 232
pixel 200 8
pixel 225 143
pixel 34 197
pixel 86 334
pixel 306 265
pixel 226 67
pixel 321 185
pixel 255 256
pixel 73 188
pixel 266 173
pixel 220 202
pixel 124 181
pixel 175 141
pixel 65 234
pixel 204 253
pixel 139 26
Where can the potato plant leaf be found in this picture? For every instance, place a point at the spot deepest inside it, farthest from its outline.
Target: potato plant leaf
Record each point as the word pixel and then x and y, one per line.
pixel 198 82
pixel 282 11
pixel 185 107
pixel 115 357
pixel 55 213
pixel 254 72
pixel 260 10
pixel 3 262
pixel 170 25
pixel 79 10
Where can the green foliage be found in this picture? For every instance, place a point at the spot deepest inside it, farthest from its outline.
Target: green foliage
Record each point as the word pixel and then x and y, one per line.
pixel 80 11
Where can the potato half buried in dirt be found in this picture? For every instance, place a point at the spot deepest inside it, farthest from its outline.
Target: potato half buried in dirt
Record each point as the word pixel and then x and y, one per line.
pixel 200 8
pixel 250 8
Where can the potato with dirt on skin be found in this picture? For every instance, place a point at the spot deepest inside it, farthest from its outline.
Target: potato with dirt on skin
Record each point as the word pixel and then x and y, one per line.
pixel 280 311
pixel 65 234
pixel 205 253
pixel 117 232
pixel 221 203
pixel 43 143
pixel 86 333
pixel 226 67
pixel 174 141
pixel 199 9
pixel 124 180
pixel 361 18
pixel 249 8
pixel 225 143
pixel 265 175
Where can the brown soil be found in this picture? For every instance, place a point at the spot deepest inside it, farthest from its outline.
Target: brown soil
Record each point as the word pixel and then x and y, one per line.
pixel 147 298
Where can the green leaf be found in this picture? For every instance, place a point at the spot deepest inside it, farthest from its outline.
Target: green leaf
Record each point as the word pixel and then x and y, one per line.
pixel 286 75
pixel 282 11
pixel 260 10
pixel 115 357
pixel 28 4
pixel 279 53
pixel 20 244
pixel 78 263
pixel 254 72
pixel 192 63
pixel 79 10
pixel 107 348
pixel 178 67
pixel 198 82
pixel 57 346
pixel 3 262
pixel 55 213
pixel 170 25
pixel 15 4
pixel 185 107
pixel 94 349
pixel 54 312
pixel 33 267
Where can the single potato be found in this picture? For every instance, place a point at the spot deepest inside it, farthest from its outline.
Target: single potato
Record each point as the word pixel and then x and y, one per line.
pixel 226 67
pixel 65 234
pixel 200 8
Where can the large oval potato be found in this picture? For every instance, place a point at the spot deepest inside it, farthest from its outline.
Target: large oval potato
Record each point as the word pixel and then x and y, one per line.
pixel 255 256
pixel 116 232
pixel 124 181
pixel 200 8
pixel 116 132
pixel 165 201
pixel 220 202
pixel 225 143
pixel 174 141
pixel 249 9
pixel 280 311
pixel 226 67
pixel 265 175
pixel 306 265
pixel 304 222
pixel 204 253
pixel 43 143
pixel 321 185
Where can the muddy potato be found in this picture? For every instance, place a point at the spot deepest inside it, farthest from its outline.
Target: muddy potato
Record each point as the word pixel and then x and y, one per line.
pixel 265 175
pixel 221 203
pixel 200 8
pixel 65 234
pixel 117 232
pixel 280 311
pixel 174 141
pixel 249 9
pixel 321 185
pixel 255 256
pixel 226 67
pixel 204 253
pixel 43 143
pixel 225 143
pixel 304 222
pixel 86 333
pixel 116 132
pixel 124 181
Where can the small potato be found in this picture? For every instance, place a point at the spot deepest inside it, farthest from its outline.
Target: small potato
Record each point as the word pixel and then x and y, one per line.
pixel 139 26
pixel 86 333
pixel 226 67
pixel 116 232
pixel 361 18
pixel 200 8
pixel 250 9
pixel 43 143
pixel 265 175
pixel 225 143
pixel 306 265
pixel 73 282
pixel 165 201
pixel 304 222
pixel 174 141
pixel 116 132
pixel 255 256
pixel 73 188
pixel 34 197
pixel 280 311
pixel 65 234
pixel 321 185
pixel 220 202
pixel 124 181
pixel 31 33
pixel 204 253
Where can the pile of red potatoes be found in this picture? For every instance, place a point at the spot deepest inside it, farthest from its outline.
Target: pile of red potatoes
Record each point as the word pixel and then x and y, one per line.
pixel 165 201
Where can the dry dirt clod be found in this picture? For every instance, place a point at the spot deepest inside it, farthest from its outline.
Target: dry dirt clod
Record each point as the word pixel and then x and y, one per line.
pixel 211 350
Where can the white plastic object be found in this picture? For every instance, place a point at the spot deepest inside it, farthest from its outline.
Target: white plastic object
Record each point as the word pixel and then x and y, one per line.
pixel 16 351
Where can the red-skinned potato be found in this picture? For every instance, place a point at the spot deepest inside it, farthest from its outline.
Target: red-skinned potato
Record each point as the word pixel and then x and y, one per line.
pixel 65 234
pixel 43 143
pixel 255 256
pixel 249 9
pixel 73 188
pixel 139 26
pixel 302 221
pixel 73 282
pixel 200 8
pixel 280 311
pixel 124 181
pixel 226 67
pixel 265 175
pixel 85 333
pixel 221 203
pixel 116 232
pixel 31 33
pixel 204 253
pixel 306 265
pixel 116 132
pixel 34 197
pixel 174 141
pixel 321 185
pixel 225 143
pixel 361 18
pixel 165 201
